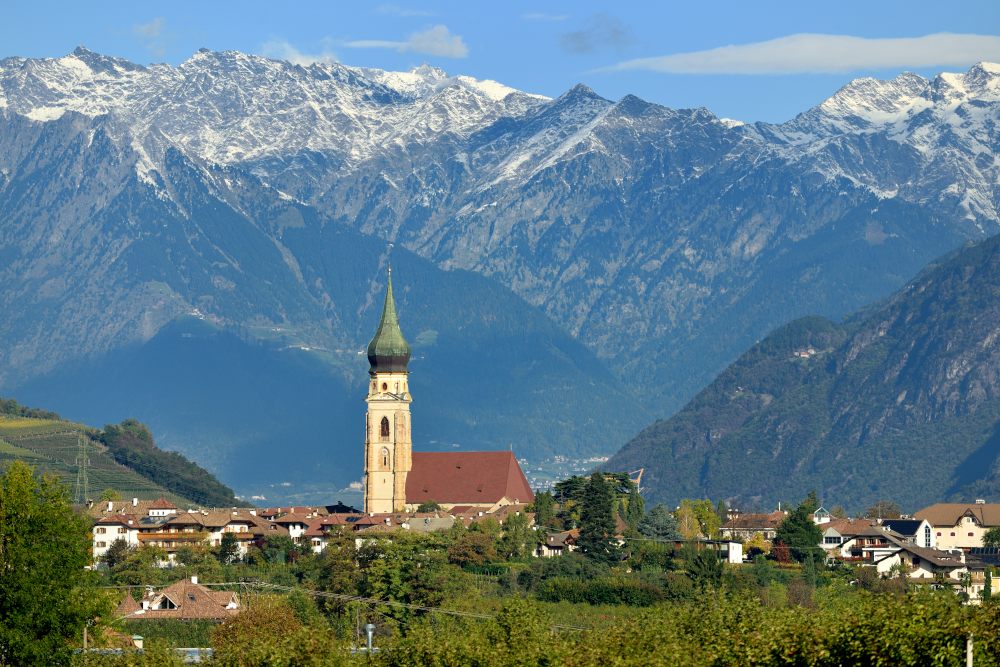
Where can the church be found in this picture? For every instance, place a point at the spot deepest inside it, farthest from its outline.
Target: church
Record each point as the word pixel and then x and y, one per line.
pixel 398 479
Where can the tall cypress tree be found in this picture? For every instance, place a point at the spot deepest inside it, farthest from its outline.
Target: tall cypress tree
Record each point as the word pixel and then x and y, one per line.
pixel 597 521
pixel 635 508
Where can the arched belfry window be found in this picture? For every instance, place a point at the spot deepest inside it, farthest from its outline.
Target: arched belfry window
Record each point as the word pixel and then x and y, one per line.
pixel 384 429
pixel 385 457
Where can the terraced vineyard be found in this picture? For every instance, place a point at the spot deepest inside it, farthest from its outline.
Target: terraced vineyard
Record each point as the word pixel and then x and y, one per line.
pixel 53 446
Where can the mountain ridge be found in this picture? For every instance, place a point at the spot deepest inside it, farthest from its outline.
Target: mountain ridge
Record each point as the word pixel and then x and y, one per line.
pixel 664 241
pixel 905 390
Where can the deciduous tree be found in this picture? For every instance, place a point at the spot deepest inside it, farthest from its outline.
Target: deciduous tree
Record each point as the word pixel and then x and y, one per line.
pixel 46 595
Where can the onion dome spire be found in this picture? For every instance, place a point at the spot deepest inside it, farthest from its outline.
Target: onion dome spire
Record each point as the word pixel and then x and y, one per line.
pixel 388 352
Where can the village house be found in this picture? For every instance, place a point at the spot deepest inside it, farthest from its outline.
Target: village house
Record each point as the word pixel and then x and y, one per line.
pixel 556 544
pixel 869 544
pixel 112 528
pixel 960 525
pixel 922 563
pixel 185 600
pixel 744 527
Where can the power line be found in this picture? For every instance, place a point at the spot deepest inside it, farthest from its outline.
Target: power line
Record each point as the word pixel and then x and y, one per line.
pixel 394 603
pixel 358 598
pixel 82 492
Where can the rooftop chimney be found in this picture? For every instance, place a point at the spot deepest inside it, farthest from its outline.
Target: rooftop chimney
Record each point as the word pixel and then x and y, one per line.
pixel 135 502
pixel 980 501
pixel 194 579
pixel 111 505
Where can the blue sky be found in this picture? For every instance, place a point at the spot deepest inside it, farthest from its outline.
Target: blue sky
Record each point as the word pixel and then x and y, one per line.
pixel 747 60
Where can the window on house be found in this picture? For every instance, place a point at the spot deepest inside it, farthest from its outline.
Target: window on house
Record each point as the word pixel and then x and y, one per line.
pixel 384 430
pixel 927 536
pixel 101 545
pixel 101 531
pixel 970 534
pixel 952 534
pixel 121 531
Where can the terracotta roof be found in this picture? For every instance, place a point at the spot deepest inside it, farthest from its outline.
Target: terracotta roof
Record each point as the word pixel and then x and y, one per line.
pixel 466 477
pixel 847 527
pixel 162 504
pixel 192 601
pixel 127 606
pixel 503 513
pixel 294 518
pixel 948 514
pixel 321 526
pixel 119 519
pixel 560 540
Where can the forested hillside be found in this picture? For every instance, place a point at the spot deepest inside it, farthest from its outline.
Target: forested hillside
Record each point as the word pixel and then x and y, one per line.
pixel 122 459
pixel 901 401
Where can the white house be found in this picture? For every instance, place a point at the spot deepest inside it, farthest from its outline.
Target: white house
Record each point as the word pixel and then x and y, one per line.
pixel 960 525
pixel 109 529
pixel 923 563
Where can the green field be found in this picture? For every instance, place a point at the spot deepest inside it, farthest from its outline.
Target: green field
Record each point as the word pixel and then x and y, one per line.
pixel 53 446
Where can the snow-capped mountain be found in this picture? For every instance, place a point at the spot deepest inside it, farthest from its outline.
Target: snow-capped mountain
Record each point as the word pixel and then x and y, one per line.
pixel 666 241
pixel 230 107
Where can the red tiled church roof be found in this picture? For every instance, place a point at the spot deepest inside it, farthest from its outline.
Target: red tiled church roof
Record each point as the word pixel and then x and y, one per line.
pixel 466 477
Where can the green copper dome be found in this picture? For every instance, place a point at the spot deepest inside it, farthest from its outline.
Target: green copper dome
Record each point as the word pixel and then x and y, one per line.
pixel 388 352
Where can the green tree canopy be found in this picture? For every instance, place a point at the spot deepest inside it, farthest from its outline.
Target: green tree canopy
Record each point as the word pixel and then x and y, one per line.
pixel 799 533
pixel 991 538
pixel 545 510
pixel 229 549
pixel 697 517
pixel 428 506
pixel 117 553
pixel 597 521
pixel 659 524
pixel 46 596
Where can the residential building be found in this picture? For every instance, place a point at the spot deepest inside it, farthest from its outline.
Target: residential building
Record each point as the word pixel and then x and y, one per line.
pixel 185 600
pixel 744 527
pixel 960 525
pixel 112 528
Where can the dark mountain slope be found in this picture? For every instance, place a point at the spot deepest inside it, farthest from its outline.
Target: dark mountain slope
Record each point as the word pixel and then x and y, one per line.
pixel 261 407
pixel 901 401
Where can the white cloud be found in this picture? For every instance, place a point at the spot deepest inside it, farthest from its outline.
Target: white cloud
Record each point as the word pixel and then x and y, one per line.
pixel 434 41
pixel 814 53
pixel 151 35
pixel 282 50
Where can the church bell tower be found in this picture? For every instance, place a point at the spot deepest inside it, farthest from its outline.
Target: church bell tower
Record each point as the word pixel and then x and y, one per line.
pixel 388 443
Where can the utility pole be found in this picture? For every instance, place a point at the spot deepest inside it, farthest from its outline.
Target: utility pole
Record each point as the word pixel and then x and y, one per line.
pixel 82 491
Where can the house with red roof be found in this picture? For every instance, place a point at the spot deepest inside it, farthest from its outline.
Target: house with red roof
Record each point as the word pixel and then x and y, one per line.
pixel 185 600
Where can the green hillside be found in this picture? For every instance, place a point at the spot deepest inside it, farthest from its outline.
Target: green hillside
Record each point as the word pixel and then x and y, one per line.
pixel 122 458
pixel 901 401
